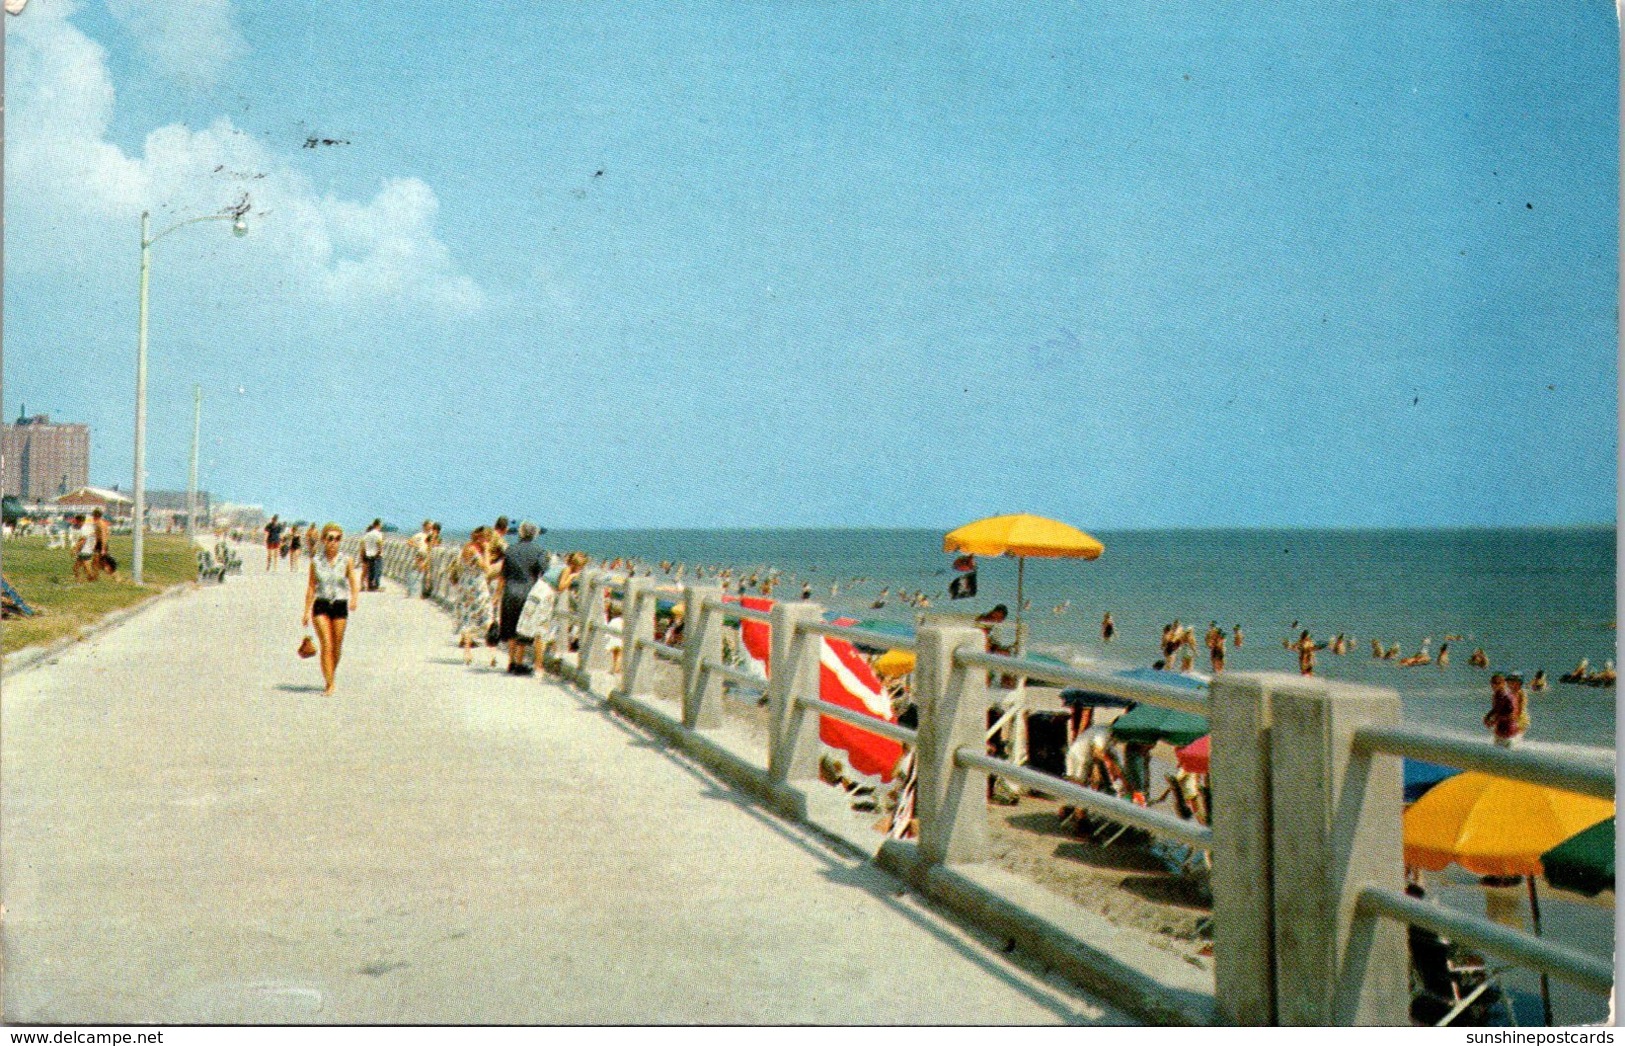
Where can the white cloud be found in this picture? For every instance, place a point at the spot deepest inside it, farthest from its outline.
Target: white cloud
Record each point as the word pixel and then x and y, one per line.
pixel 64 172
pixel 189 41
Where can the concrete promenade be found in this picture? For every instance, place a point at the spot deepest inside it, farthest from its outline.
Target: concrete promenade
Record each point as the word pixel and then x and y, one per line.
pixel 191 833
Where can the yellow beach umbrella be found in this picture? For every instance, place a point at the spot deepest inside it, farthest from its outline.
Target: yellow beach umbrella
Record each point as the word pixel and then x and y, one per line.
pixel 1494 826
pixel 894 664
pixel 1022 536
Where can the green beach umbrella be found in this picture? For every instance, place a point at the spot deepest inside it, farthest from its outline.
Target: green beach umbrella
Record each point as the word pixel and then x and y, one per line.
pixel 1583 863
pixel 1148 724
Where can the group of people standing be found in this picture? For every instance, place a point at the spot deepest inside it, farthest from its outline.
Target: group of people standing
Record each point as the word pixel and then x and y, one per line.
pixel 1178 644
pixel 494 579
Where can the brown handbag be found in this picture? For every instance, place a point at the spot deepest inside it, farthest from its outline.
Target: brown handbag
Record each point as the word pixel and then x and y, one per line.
pixel 307 647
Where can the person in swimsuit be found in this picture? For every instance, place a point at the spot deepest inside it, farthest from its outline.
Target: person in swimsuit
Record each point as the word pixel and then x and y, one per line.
pixel 104 538
pixel 290 546
pixel 1215 647
pixel 334 589
pixel 1306 647
pixel 84 550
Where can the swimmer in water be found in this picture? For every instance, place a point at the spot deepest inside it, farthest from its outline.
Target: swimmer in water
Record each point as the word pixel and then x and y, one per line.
pixel 1305 647
pixel 1108 628
pixel 1377 651
pixel 1444 655
pixel 1235 637
pixel 1539 682
pixel 1479 659
pixel 1421 657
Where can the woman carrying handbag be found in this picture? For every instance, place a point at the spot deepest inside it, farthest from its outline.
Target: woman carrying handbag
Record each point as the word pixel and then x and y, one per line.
pixel 335 587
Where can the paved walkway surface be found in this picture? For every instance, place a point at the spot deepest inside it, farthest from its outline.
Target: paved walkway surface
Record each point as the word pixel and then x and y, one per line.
pixel 191 833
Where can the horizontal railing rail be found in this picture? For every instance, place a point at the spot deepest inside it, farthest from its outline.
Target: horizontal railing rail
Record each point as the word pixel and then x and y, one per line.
pixel 862 720
pixel 661 650
pixel 1154 821
pixel 734 675
pixel 1164 696
pixel 739 610
pixel 1573 771
pixel 861 636
pixel 1581 970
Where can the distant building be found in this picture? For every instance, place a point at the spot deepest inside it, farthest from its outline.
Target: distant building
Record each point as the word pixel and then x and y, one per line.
pixel 113 504
pixel 248 517
pixel 41 459
pixel 166 509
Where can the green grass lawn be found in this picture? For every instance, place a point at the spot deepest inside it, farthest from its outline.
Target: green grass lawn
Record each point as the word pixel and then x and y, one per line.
pixel 44 578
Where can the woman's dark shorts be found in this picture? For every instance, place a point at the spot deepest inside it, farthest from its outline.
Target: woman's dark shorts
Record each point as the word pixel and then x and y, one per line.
pixel 336 609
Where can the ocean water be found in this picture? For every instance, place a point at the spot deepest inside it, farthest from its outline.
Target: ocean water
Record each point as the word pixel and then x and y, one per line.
pixel 1532 598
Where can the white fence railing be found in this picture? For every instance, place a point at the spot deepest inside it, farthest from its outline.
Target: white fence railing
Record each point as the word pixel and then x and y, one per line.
pixel 1305 840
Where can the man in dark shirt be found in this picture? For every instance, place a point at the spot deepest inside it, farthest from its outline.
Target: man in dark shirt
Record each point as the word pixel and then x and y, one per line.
pixel 273 541
pixel 523 563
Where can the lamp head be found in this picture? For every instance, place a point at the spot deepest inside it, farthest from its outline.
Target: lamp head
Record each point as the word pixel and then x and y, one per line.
pixel 239 227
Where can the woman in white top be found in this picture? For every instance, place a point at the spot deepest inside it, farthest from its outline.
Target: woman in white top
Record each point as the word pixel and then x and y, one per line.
pixel 335 587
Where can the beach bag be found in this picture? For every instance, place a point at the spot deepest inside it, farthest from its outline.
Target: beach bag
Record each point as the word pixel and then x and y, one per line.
pixel 307 647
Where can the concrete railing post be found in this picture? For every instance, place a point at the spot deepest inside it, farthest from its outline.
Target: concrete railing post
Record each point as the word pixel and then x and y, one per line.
pixel 592 656
pixel 950 801
pixel 1337 829
pixel 1243 907
pixel 637 623
pixel 793 668
pixel 702 641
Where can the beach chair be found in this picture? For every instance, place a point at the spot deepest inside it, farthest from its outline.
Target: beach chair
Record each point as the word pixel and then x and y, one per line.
pixel 1452 986
pixel 208 568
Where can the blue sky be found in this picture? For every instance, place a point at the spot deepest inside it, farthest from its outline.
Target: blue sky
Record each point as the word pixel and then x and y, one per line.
pixel 1206 264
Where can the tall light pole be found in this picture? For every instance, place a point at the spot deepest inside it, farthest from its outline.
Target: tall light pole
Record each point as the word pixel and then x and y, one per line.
pixel 240 228
pixel 191 480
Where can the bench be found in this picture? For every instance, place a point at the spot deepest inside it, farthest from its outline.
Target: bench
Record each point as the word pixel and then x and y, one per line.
pixel 228 559
pixel 208 568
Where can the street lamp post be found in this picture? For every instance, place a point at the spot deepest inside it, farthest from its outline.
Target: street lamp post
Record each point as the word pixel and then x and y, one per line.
pixel 191 475
pixel 139 523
